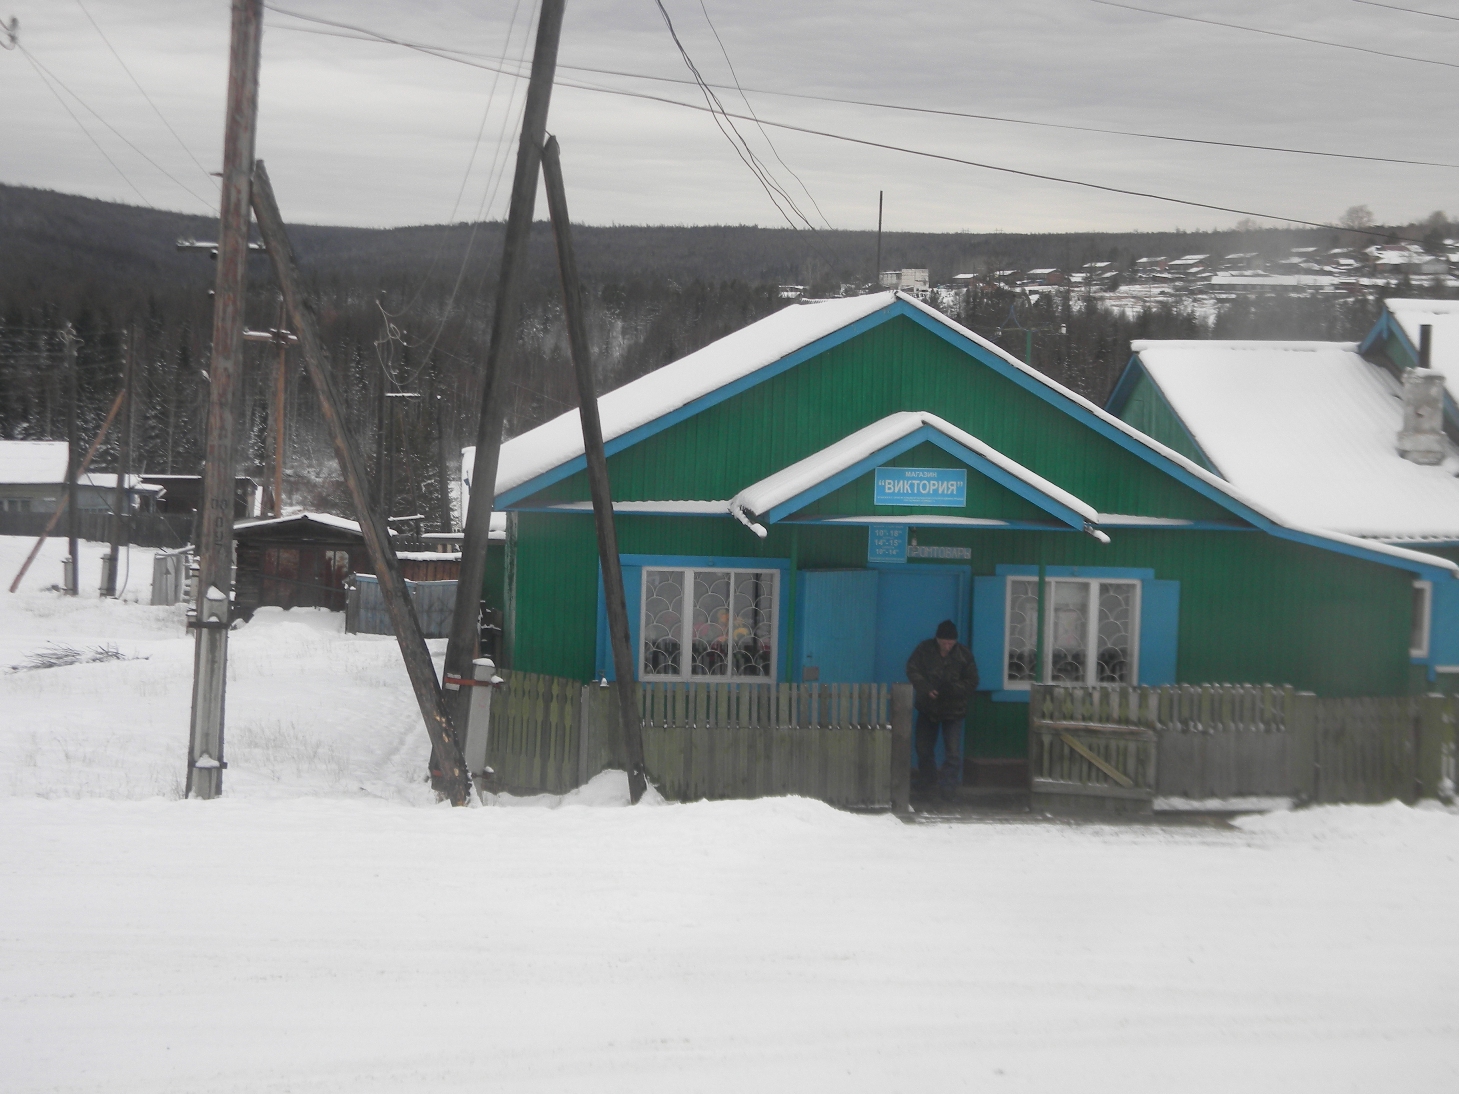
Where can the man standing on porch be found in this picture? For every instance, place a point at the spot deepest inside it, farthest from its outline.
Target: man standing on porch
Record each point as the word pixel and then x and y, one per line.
pixel 943 674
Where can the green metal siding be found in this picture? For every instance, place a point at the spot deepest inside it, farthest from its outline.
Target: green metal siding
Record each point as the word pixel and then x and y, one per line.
pixel 1254 608
pixel 1149 412
pixel 896 366
pixel 986 498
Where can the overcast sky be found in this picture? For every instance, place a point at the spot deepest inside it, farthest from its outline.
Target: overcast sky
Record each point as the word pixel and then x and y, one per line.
pixel 365 133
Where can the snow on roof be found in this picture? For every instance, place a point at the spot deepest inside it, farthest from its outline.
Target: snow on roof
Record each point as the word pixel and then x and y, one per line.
pixel 560 440
pixel 327 519
pixel 32 462
pixel 789 482
pixel 1443 316
pixel 1307 429
pixel 681 382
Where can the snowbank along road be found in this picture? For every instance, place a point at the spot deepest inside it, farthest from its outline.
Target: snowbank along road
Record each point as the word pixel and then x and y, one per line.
pixel 327 927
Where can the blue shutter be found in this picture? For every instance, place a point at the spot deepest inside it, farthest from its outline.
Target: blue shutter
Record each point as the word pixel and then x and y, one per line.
pixel 989 601
pixel 633 593
pixel 1443 620
pixel 1159 631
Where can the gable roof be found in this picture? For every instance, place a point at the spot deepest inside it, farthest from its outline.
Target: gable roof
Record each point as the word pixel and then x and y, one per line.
pixel 1309 431
pixel 32 462
pixel 805 480
pixel 658 400
pixel 1443 315
pixel 679 384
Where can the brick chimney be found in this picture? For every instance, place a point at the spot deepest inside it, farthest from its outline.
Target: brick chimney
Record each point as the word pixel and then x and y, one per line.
pixel 1422 437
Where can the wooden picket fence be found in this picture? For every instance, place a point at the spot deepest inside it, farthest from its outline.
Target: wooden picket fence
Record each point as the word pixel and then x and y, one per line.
pixel 1122 745
pixel 827 741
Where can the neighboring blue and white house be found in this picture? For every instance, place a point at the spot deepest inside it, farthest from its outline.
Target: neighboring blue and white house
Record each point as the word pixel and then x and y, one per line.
pixel 1326 438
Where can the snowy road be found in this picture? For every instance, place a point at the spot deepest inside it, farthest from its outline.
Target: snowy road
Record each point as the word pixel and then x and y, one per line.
pixel 303 934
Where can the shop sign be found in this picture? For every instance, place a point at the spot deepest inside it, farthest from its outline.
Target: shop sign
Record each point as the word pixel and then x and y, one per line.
pixel 939 486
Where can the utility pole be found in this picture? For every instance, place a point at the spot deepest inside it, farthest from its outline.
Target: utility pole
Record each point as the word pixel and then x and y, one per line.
pixel 122 499
pixel 461 648
pixel 455 783
pixel 443 463
pixel 273 468
pixel 876 279
pixel 73 579
pixel 215 524
pixel 598 484
pixel 381 449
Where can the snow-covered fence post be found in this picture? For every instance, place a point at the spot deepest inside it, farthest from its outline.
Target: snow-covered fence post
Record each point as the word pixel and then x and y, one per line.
pixel 478 724
pixel 901 747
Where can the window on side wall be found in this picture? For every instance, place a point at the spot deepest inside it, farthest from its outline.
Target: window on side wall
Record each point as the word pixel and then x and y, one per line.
pixel 708 624
pixel 1418 635
pixel 1091 631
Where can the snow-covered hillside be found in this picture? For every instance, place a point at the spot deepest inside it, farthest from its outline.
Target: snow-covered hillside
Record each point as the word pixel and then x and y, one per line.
pixel 327 927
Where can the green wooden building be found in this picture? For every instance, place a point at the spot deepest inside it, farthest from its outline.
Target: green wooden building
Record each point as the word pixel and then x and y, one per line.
pixel 807 498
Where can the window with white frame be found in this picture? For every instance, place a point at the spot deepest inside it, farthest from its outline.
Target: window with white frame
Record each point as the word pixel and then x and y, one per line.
pixel 1418 635
pixel 1091 631
pixel 708 624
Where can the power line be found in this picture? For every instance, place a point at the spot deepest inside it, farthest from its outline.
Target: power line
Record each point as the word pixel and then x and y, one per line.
pixel 448 53
pixel 1410 11
pixel 742 148
pixel 1275 33
pixel 181 144
pixel 746 100
pixel 41 72
pixel 207 204
pixel 921 153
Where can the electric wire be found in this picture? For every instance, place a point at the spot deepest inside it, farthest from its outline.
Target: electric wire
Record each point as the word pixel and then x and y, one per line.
pixel 748 106
pixel 1410 11
pixel 116 132
pixel 920 153
pixel 137 83
pixel 441 53
pixel 39 71
pixel 1275 34
pixel 470 162
pixel 721 118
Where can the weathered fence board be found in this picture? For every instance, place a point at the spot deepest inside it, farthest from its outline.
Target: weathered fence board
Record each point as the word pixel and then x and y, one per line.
pixel 434 602
pixel 827 741
pixel 1237 740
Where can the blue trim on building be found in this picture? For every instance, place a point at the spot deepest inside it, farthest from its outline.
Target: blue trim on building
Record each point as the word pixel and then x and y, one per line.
pixel 1127 573
pixel 981 464
pixel 1038 388
pixel 704 402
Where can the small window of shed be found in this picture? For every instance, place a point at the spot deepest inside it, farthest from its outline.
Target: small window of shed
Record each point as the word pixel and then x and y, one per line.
pixel 1418 640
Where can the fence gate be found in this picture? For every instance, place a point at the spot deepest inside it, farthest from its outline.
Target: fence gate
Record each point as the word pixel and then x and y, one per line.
pixel 1088 751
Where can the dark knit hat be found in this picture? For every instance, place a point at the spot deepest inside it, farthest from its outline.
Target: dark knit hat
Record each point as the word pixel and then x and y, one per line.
pixel 946 629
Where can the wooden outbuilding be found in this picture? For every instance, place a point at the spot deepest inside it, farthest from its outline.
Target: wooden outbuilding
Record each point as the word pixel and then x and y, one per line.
pixel 297 561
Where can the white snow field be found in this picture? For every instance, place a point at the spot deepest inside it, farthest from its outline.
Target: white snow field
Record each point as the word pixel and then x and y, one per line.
pixel 326 926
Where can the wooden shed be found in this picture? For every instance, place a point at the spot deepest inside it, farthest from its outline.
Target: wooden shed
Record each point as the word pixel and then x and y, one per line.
pixel 297 561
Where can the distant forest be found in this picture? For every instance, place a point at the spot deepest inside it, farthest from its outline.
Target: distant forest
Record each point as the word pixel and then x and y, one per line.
pixel 409 309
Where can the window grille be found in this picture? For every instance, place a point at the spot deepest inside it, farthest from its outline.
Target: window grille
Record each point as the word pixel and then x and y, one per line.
pixel 708 624
pixel 1091 631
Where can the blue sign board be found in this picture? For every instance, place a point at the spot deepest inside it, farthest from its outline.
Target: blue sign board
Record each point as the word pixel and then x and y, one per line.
pixel 943 486
pixel 886 543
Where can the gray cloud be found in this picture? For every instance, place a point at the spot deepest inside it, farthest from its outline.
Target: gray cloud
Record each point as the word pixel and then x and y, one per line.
pixel 364 133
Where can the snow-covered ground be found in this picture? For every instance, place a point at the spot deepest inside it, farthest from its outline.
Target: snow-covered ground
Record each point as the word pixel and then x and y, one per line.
pixel 326 927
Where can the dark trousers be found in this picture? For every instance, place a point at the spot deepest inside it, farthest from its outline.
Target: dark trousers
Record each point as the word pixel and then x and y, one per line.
pixel 951 775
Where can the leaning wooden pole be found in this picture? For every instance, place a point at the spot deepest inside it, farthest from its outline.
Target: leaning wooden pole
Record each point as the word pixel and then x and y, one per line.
pixel 598 484
pixel 476 521
pixel 454 782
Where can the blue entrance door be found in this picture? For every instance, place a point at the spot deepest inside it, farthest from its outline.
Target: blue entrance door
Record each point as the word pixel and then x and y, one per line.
pixel 836 610
pixel 910 604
